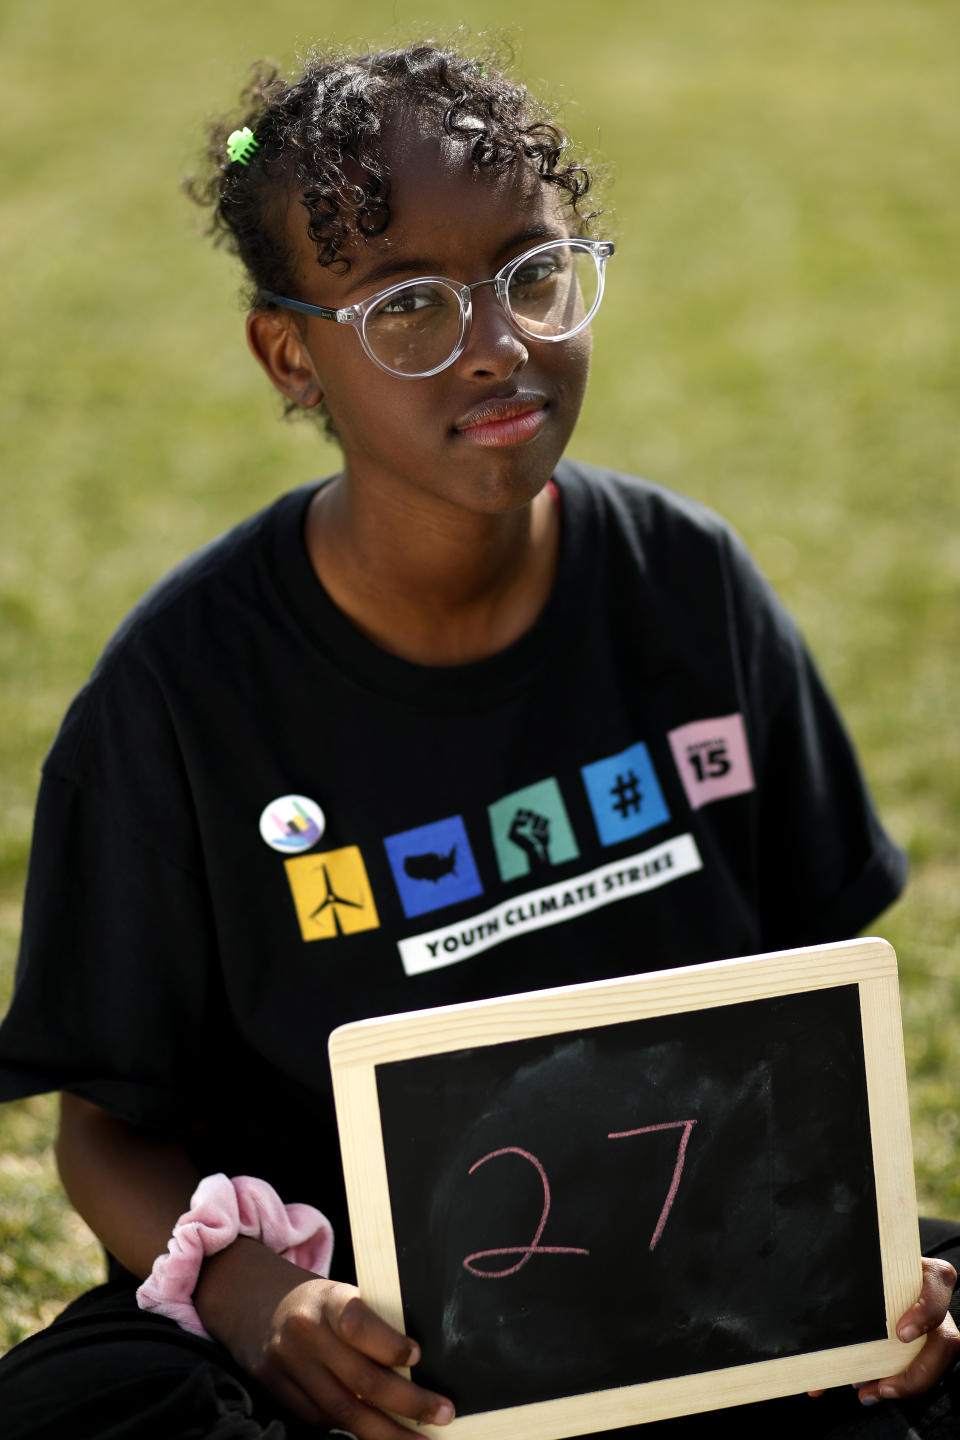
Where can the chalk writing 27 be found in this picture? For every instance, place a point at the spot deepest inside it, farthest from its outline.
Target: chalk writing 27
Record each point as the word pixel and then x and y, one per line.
pixel 686 1126
pixel 526 1252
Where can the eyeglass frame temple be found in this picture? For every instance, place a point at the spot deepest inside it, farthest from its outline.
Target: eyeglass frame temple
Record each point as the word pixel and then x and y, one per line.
pixel 346 316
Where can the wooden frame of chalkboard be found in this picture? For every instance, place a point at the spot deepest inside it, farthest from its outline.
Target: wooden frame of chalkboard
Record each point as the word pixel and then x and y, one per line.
pixel 726 1200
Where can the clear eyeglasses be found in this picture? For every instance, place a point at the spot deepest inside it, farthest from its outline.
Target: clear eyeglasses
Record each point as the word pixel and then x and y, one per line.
pixel 419 327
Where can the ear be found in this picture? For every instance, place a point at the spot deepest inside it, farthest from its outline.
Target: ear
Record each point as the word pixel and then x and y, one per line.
pixel 278 345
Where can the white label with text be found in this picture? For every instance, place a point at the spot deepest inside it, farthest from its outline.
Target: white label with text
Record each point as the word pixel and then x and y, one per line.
pixel 551 905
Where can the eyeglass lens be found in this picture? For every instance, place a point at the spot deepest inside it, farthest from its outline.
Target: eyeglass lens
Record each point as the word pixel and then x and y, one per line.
pixel 416 328
pixel 420 326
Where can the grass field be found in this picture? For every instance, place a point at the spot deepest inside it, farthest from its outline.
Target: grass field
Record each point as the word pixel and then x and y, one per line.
pixel 782 340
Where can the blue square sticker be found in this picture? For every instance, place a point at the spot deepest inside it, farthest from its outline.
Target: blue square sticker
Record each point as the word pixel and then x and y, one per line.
pixel 433 865
pixel 624 794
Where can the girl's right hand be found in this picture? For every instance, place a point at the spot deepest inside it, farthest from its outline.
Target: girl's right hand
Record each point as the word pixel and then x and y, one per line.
pixel 314 1344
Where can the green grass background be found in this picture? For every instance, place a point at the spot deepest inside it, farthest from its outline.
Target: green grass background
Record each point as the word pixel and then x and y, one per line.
pixel 780 340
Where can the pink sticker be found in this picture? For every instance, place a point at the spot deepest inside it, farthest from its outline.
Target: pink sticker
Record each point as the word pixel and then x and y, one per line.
pixel 712 758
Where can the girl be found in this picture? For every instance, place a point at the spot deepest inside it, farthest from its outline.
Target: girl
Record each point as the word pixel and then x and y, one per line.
pixel 315 753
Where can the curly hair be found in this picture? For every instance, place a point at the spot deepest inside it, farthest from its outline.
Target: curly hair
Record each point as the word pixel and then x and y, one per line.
pixel 309 130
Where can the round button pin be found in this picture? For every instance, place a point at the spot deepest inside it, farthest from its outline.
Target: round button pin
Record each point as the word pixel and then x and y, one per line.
pixel 292 823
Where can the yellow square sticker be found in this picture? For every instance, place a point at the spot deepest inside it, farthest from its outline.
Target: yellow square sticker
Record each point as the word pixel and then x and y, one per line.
pixel 332 894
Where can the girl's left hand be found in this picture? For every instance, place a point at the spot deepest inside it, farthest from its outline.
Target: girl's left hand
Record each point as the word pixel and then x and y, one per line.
pixel 930 1317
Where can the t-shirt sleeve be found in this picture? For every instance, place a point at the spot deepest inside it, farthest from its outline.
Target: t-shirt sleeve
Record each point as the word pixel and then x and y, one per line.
pixel 827 867
pixel 116 993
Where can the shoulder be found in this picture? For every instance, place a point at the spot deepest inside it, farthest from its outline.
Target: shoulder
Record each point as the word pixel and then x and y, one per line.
pixel 230 563
pixel 685 555
pixel 659 528
pixel 172 637
pixel 673 569
pixel 635 501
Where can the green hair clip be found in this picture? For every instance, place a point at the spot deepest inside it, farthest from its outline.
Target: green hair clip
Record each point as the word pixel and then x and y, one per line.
pixel 241 145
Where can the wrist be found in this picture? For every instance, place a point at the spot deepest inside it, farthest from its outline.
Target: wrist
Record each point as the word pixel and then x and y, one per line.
pixel 221 1212
pixel 238 1291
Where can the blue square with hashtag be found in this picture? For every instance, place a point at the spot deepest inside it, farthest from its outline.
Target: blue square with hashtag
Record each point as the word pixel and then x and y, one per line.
pixel 624 794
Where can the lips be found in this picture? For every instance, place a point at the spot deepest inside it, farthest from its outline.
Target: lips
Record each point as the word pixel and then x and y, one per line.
pixel 504 420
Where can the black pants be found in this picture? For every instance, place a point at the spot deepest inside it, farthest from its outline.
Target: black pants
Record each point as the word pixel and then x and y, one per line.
pixel 106 1371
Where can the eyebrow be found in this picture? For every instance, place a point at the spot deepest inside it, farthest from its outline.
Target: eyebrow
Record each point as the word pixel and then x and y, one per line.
pixel 392 267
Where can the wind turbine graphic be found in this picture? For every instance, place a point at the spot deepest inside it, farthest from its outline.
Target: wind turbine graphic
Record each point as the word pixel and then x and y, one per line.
pixel 332 898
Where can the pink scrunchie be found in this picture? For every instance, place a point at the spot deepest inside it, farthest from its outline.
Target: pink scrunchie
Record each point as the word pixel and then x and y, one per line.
pixel 220 1210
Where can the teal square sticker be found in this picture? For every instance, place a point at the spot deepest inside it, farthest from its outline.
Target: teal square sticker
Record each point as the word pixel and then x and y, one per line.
pixel 624 794
pixel 531 830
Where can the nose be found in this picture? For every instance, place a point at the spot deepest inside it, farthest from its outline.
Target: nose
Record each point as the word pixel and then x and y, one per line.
pixel 493 350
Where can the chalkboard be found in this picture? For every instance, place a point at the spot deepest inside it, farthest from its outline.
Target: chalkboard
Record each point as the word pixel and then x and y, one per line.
pixel 616 1202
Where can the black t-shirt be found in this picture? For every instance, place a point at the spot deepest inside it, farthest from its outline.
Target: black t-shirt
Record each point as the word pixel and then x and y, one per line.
pixel 255 825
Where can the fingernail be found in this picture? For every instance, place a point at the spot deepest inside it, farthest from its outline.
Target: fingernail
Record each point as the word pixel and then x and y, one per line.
pixel 443 1414
pixel 413 1358
pixel 910 1332
pixel 888 1392
pixel 868 1399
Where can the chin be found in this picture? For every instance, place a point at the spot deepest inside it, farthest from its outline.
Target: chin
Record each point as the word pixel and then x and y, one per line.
pixel 508 490
pixel 509 479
